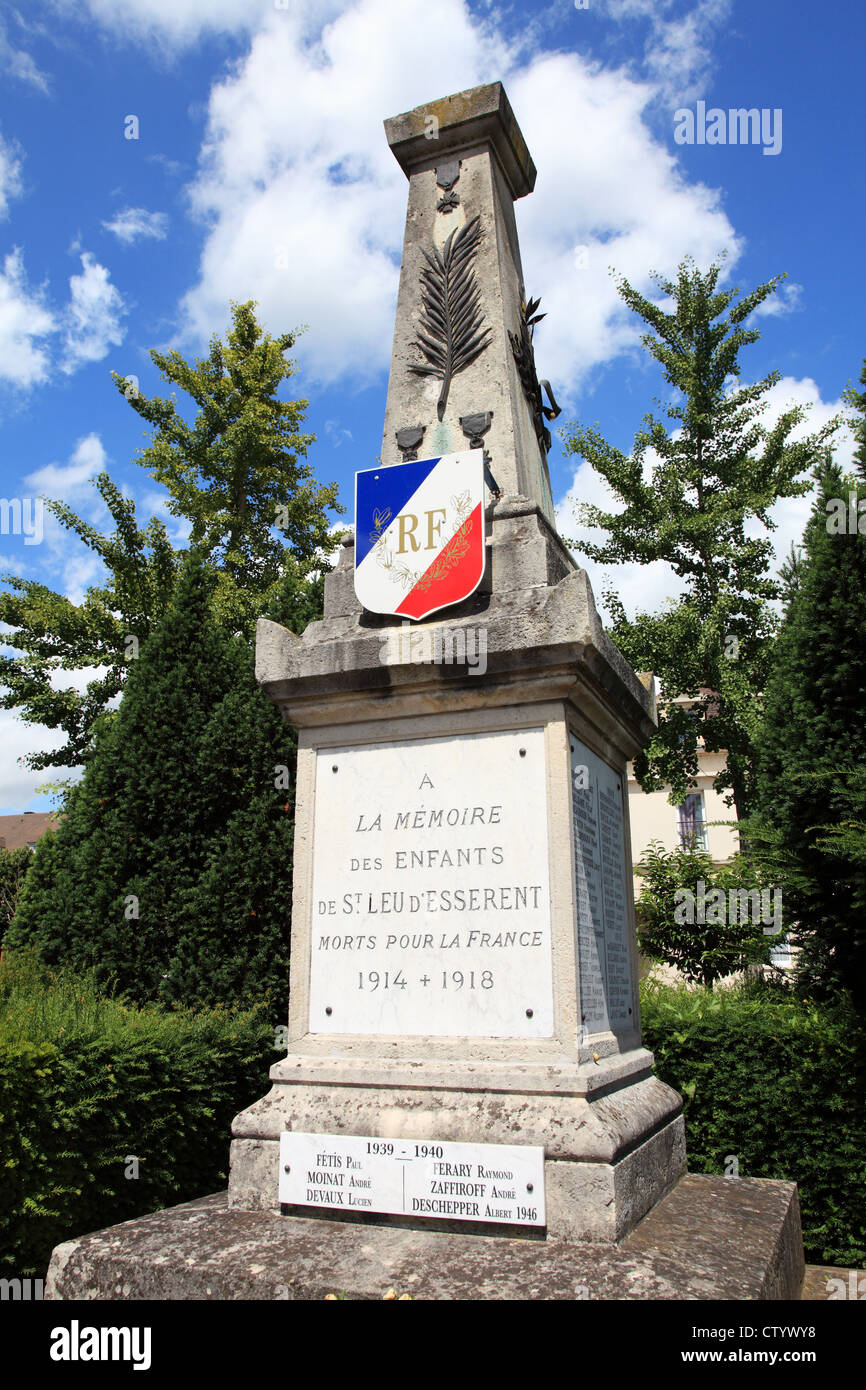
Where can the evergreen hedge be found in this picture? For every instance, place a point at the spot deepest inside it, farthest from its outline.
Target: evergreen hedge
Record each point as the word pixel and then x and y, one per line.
pixel 14 865
pixel 87 1083
pixel 780 1084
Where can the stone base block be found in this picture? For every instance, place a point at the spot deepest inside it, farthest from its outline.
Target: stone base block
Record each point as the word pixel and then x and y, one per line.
pixel 709 1238
pixel 608 1157
pixel 585 1201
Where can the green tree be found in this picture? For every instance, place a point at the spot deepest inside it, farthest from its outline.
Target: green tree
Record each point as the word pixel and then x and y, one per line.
pixel 707 920
pixel 812 751
pixel 690 487
pixel 14 864
pixel 168 873
pixel 53 634
pixel 237 475
pixel 857 400
pixel 238 472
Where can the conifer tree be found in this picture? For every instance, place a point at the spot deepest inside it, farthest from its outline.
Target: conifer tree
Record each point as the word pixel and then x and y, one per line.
pixel 812 750
pixel 690 487
pixel 857 399
pixel 169 872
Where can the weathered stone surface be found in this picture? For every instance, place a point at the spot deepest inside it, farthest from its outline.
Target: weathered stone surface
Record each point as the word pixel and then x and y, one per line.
pixel 709 1238
pixel 830 1282
pixel 480 114
pixel 607 1159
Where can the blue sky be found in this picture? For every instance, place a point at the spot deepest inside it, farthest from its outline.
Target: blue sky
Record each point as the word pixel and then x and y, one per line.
pixel 260 170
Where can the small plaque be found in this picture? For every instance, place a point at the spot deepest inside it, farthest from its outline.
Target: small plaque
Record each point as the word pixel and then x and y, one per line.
pixel 499 1183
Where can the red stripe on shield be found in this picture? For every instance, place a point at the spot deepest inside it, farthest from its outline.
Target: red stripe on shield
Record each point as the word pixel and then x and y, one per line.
pixel 455 572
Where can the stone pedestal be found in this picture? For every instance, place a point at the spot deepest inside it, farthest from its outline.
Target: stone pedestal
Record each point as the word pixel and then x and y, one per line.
pixel 562 1068
pixel 690 1246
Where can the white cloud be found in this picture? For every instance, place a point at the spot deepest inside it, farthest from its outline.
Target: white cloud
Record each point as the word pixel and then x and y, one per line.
pixel 133 224
pixel 20 64
pixel 92 317
pixel 173 23
pixel 18 783
pixel 645 588
pixel 24 320
pixel 67 564
pixel 305 203
pixel 791 514
pixel 337 433
pixel 60 480
pixel 678 47
pixel 787 300
pixel 10 175
pixel 615 200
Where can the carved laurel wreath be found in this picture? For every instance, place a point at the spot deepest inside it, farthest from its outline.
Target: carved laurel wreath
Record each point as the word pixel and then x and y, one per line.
pixel 457 547
pixel 452 332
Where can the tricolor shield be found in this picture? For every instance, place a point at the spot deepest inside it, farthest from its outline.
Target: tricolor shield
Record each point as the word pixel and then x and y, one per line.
pixel 419 534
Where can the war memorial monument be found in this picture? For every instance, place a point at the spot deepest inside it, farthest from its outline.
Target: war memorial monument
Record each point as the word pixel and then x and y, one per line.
pixel 465 1108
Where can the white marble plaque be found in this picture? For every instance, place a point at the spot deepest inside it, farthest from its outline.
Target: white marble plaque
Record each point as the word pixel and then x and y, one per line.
pixel 606 986
pixel 431 889
pixel 501 1183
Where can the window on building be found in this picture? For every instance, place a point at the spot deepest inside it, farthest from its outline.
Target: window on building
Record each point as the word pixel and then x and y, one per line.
pixel 692 825
pixel 782 956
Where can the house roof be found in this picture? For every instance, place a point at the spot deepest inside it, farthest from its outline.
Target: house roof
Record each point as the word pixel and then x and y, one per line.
pixel 17 832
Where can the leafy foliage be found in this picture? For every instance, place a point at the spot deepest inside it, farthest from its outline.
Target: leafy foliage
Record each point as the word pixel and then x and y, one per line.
pixel 87 1083
pixel 168 874
pixel 812 825
pixel 691 485
pixel 780 1084
pixel 238 475
pixel 14 864
pixel 53 634
pixel 702 951
pixel 857 400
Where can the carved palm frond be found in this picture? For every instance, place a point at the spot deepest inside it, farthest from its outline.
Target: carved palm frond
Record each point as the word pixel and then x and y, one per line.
pixel 530 315
pixel 452 332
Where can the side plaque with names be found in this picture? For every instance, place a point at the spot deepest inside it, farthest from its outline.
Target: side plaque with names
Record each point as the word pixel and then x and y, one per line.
pixel 602 913
pixel 431 889
pixel 500 1183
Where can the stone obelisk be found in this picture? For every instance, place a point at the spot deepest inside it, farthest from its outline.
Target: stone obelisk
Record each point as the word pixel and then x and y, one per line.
pixel 467 162
pixel 536 745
